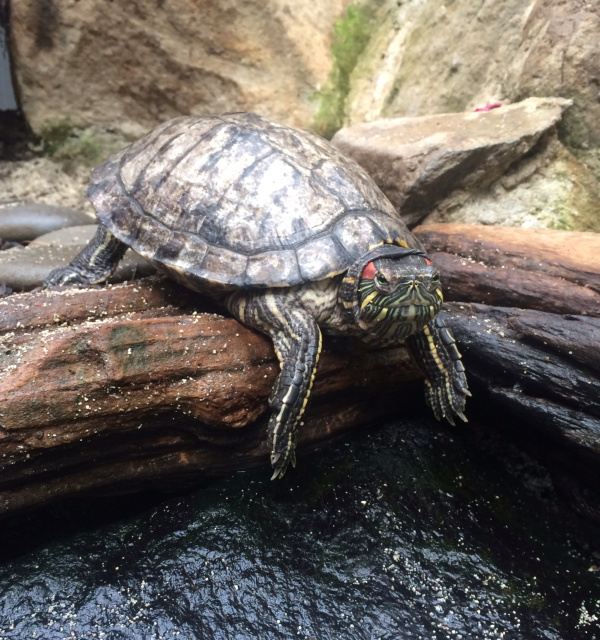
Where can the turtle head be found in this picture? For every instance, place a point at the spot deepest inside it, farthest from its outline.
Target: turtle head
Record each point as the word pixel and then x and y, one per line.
pixel 401 290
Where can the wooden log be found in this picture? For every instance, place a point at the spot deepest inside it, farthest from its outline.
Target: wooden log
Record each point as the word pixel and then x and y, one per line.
pixel 542 369
pixel 119 388
pixel 543 269
pixel 532 348
pixel 143 385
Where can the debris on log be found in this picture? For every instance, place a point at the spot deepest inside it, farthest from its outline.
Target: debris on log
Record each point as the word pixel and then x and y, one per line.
pixel 139 385
pixel 129 386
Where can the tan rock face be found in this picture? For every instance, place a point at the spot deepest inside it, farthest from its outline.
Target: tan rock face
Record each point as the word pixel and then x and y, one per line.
pixel 131 65
pixel 431 57
pixel 435 164
pixel 559 54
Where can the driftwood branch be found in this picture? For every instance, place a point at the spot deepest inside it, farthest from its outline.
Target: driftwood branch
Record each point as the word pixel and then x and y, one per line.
pixel 533 346
pixel 142 384
pixel 119 388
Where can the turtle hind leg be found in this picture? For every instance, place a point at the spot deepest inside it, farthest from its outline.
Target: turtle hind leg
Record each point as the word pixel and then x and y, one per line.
pixel 95 264
pixel 297 341
pixel 446 388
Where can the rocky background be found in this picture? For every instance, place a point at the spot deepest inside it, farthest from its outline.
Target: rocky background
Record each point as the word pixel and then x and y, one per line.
pixel 463 112
pixel 90 76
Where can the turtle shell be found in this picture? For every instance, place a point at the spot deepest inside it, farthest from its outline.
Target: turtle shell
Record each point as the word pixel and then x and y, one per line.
pixel 239 201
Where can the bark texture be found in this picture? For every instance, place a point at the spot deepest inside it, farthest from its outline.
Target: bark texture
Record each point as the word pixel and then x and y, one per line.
pixel 130 386
pixel 145 385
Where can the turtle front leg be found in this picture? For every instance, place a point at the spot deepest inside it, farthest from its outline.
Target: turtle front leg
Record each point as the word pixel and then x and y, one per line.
pixel 95 264
pixel 446 388
pixel 297 340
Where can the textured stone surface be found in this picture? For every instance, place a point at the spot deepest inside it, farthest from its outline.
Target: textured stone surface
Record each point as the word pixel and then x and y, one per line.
pixel 25 268
pixel 428 57
pixel 419 162
pixel 143 62
pixel 42 180
pixel 549 188
pixel 559 54
pixel 25 221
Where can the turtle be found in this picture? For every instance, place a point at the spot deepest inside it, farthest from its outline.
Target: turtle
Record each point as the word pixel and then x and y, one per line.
pixel 288 234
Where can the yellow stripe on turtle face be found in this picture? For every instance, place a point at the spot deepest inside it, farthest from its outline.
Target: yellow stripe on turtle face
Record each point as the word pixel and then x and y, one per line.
pixel 382 314
pixel 368 299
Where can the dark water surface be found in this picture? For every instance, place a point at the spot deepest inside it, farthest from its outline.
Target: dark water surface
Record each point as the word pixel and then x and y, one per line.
pixel 411 531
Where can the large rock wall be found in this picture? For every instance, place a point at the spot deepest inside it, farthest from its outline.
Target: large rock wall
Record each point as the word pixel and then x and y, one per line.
pixel 431 57
pixel 130 65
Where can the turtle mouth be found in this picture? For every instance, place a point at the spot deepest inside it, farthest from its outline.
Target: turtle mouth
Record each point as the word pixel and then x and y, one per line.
pixel 420 313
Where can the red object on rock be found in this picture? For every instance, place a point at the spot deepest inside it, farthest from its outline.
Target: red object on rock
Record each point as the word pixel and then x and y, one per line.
pixel 494 105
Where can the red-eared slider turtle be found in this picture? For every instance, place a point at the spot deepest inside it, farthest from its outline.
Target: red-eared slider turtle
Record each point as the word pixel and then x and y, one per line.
pixel 291 236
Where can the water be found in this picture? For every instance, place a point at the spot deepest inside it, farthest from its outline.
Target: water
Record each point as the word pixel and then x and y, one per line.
pixel 413 531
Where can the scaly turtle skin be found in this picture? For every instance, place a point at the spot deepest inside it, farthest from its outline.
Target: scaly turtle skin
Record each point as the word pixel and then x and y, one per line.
pixel 291 236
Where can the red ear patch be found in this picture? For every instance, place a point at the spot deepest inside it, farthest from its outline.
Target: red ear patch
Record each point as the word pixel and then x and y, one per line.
pixel 428 261
pixel 369 271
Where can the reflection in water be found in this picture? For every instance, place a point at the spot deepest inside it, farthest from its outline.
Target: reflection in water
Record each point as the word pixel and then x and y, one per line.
pixel 413 531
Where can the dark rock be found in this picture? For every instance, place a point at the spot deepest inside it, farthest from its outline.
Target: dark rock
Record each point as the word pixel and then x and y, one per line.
pixel 9 244
pixel 29 220
pixel 414 530
pixel 26 268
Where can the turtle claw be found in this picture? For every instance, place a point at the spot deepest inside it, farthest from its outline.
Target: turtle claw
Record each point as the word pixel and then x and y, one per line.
pixel 65 277
pixel 446 396
pixel 280 465
pixel 278 473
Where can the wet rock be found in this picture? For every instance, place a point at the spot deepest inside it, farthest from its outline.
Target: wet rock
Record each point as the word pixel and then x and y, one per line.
pixel 412 530
pixel 28 220
pixel 24 268
pixel 150 62
pixel 419 162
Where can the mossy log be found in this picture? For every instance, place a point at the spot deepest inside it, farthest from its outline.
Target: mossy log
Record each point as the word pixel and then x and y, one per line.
pixel 144 385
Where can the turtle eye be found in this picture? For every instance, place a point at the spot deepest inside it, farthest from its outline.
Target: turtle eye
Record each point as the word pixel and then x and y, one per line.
pixel 381 280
